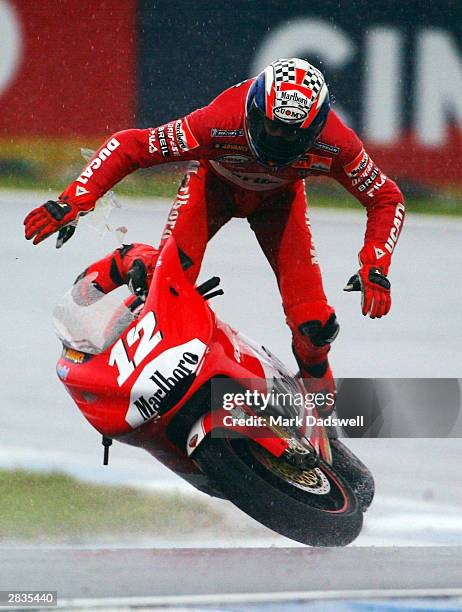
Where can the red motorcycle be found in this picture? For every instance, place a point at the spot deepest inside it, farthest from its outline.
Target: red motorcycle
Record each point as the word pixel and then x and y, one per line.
pixel 166 375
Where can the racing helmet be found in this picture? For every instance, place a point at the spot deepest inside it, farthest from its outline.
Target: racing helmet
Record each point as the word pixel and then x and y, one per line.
pixel 286 109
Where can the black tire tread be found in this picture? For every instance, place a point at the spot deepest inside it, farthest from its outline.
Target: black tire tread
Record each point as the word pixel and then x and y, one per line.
pixel 354 472
pixel 273 508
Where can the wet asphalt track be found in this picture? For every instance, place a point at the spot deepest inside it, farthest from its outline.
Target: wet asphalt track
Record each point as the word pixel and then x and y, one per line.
pixel 236 575
pixel 419 492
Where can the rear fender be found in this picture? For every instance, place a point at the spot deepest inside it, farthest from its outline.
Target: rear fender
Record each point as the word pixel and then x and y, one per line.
pixel 261 434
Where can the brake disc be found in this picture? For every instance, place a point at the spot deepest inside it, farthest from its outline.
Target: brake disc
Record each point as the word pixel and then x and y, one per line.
pixel 311 480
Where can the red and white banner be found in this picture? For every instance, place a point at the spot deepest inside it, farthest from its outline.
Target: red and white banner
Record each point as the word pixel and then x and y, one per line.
pixel 88 68
pixel 67 67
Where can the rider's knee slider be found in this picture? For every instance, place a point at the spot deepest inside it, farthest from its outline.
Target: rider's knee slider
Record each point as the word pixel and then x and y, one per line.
pixel 320 334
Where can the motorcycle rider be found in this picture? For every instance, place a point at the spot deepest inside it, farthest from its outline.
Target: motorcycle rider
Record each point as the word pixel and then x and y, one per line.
pixel 254 145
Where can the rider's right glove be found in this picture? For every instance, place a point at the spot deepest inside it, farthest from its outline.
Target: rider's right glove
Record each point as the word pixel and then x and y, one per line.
pixel 139 263
pixel 59 216
pixel 131 264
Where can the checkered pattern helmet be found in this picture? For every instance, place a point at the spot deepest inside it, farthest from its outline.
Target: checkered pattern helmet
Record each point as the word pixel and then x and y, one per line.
pixel 289 97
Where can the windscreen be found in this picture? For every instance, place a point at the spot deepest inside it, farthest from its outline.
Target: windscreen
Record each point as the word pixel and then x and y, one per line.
pixel 88 320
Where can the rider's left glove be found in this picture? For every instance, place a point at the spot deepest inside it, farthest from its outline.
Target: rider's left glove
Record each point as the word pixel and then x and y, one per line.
pixel 372 281
pixel 58 215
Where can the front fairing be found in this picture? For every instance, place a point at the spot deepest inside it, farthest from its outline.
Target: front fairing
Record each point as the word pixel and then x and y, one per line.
pixel 132 382
pixel 150 368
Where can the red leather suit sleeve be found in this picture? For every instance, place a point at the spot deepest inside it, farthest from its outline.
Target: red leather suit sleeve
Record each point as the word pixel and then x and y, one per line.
pixel 379 194
pixel 126 151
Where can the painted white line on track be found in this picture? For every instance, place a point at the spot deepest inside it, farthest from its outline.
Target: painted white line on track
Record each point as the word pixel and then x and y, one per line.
pixel 248 598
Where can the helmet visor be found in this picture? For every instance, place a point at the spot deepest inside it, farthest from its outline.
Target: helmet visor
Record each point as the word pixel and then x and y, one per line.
pixel 276 143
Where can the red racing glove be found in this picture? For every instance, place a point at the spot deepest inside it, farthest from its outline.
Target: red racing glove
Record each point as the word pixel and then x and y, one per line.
pixel 60 215
pixel 372 281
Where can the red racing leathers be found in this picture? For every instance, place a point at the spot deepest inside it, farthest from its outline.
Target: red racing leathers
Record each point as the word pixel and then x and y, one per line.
pixel 228 182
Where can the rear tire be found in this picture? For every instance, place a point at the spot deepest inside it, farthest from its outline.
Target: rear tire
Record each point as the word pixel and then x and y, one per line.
pixel 253 480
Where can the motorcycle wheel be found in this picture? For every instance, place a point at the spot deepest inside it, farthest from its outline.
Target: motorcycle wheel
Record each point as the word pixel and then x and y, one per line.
pixel 313 506
pixel 354 472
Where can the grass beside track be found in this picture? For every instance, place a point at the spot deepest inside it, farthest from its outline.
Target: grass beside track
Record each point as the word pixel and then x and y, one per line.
pixel 51 164
pixel 56 507
pixel 164 185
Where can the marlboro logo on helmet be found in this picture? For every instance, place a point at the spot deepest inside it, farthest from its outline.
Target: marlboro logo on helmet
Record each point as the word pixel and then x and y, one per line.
pixel 288 93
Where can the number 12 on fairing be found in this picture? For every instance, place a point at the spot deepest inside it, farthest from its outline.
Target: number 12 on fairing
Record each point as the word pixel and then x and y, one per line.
pixel 147 342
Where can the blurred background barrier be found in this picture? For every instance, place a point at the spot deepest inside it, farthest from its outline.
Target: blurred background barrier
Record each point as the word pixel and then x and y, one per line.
pixel 78 70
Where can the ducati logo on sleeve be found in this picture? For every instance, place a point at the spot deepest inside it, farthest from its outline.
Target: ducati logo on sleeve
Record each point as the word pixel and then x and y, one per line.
pixel 96 162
